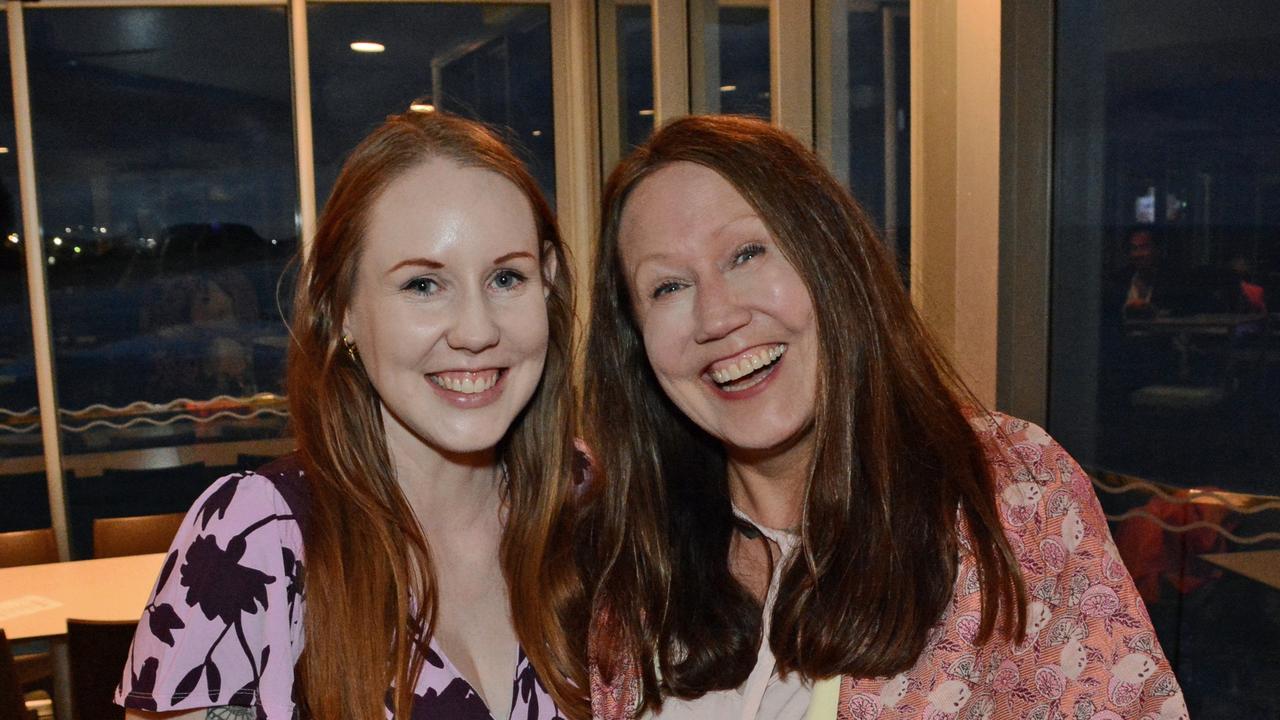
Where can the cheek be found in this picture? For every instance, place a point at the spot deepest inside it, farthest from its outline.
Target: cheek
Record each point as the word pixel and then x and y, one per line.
pixel 663 345
pixel 527 328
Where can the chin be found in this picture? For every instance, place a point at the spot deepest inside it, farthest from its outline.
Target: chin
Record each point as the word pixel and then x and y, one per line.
pixel 778 437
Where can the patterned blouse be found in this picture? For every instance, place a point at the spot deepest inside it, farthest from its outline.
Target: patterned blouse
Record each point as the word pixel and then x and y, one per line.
pixel 224 622
pixel 1090 652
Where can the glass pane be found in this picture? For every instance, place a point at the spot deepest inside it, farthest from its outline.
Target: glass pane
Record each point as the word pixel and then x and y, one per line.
pixel 626 75
pixel 729 57
pixel 489 62
pixel 1165 347
pixel 866 133
pixel 167 189
pixel 22 480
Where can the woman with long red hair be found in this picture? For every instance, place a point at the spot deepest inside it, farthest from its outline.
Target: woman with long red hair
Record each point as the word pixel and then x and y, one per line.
pixel 411 558
pixel 799 510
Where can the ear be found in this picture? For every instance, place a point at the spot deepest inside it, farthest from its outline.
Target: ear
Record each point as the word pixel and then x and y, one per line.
pixel 550 267
pixel 346 323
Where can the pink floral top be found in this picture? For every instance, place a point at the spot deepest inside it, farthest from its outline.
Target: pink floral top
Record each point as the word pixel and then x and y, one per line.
pixel 1090 652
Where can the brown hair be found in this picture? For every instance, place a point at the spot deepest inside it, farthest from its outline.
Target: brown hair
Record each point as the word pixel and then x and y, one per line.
pixel 897 473
pixel 370 589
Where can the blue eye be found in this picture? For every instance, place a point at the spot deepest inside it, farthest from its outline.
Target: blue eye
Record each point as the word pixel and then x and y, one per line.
pixel 421 286
pixel 747 252
pixel 508 279
pixel 665 288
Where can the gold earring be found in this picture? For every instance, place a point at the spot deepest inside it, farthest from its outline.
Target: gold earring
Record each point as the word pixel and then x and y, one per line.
pixel 350 345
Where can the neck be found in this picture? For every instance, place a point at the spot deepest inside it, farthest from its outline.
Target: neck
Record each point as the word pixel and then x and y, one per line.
pixel 445 490
pixel 768 485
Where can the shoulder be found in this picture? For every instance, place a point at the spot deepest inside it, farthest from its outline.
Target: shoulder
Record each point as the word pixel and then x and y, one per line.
pixel 1088 641
pixel 277 489
pixel 1034 478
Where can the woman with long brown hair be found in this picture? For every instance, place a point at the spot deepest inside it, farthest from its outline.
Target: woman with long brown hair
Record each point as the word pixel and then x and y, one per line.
pixel 411 558
pixel 799 510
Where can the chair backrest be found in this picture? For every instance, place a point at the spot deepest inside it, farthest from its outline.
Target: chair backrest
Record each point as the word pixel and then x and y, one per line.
pixel 137 535
pixel 12 706
pixel 98 652
pixel 28 547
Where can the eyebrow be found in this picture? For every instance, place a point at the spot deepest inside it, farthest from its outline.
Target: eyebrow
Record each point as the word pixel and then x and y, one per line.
pixel 513 255
pixel 421 262
pixel 436 265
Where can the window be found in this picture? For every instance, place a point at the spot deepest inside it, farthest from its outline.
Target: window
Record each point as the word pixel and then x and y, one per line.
pixel 168 201
pixel 487 62
pixel 22 476
pixel 1165 359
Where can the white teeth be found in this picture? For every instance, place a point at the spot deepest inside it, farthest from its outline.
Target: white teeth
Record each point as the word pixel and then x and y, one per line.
pixel 467 385
pixel 747 365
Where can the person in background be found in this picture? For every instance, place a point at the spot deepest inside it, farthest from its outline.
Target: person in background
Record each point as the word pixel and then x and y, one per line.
pixel 410 559
pixel 799 510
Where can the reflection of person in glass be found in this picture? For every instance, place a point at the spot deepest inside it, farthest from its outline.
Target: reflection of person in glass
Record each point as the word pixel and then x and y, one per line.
pixel 1143 271
pixel 430 396
pixel 801 504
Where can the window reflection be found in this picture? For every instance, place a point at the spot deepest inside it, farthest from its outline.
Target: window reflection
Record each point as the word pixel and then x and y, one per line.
pixel 22 477
pixel 1165 341
pixel 488 62
pixel 626 76
pixel 168 203
pixel 729 57
pixel 864 127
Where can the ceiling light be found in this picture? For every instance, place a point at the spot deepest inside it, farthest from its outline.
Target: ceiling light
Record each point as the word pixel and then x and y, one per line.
pixel 423 107
pixel 646 112
pixel 728 88
pixel 536 133
pixel 4 151
pixel 365 46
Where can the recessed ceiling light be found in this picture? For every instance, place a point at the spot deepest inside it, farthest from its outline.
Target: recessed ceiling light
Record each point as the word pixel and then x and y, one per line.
pixel 423 107
pixel 366 46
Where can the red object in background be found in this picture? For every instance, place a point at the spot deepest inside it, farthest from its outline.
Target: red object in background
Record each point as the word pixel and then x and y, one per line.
pixel 1151 552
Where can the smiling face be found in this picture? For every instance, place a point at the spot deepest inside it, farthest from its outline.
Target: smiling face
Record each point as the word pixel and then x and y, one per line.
pixel 449 312
pixel 728 325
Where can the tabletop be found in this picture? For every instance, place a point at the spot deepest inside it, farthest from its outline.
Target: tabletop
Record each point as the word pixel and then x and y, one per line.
pixel 1260 565
pixel 36 600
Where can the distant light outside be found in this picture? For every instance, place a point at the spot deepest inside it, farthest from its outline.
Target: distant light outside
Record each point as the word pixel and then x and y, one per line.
pixel 728 88
pixel 423 107
pixel 646 112
pixel 365 46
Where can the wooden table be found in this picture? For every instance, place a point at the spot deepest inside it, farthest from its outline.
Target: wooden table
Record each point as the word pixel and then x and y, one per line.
pixel 106 589
pixel 1182 328
pixel 1260 565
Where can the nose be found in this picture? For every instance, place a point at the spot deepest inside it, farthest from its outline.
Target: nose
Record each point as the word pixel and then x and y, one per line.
pixel 718 311
pixel 474 328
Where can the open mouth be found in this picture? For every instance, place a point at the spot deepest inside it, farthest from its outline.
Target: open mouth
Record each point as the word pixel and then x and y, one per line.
pixel 467 382
pixel 747 370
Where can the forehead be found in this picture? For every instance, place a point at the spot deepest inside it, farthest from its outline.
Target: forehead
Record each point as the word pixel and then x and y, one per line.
pixel 680 202
pixel 439 206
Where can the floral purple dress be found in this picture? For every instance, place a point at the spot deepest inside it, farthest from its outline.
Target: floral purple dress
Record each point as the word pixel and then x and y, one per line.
pixel 224 622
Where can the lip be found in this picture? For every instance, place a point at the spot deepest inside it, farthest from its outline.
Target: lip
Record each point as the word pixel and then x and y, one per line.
pixel 470 401
pixel 750 392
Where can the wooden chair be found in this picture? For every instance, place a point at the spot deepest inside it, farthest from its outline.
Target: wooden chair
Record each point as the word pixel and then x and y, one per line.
pixel 98 652
pixel 12 704
pixel 137 535
pixel 28 547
